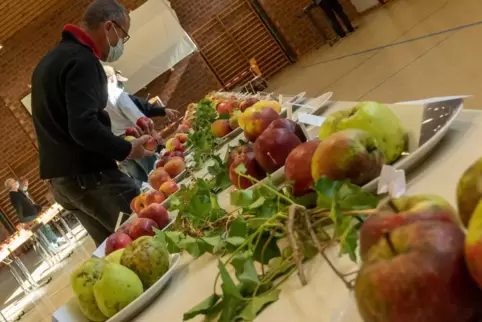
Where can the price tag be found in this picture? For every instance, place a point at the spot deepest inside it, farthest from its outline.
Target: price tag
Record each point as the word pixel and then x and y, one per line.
pixel 392 181
pixel 311 119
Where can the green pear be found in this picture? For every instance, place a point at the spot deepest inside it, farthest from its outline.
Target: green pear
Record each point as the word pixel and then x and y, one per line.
pixel 117 287
pixel 375 118
pixel 83 280
pixel 148 258
pixel 115 257
pixel 469 191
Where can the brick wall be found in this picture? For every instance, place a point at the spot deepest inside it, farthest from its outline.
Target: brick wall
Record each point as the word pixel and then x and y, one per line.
pixel 299 32
pixel 18 58
pixel 189 81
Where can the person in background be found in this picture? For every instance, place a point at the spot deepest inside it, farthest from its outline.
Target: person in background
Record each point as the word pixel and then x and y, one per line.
pixel 26 209
pixel 124 110
pixel 77 149
pixel 332 8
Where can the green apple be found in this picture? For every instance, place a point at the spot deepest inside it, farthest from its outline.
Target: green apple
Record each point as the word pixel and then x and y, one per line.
pixel 375 118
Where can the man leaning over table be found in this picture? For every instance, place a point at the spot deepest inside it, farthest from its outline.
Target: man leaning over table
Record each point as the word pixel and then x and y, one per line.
pixel 78 151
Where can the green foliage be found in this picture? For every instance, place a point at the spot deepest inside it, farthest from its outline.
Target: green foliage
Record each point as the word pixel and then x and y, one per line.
pixel 220 175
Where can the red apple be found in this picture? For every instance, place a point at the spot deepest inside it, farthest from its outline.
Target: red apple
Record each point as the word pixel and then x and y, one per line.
pixel 157 213
pixel 220 128
pixel 132 132
pixel 153 197
pixel 158 177
pixel 273 147
pixel 125 228
pixel 227 106
pixel 143 123
pixel 254 122
pixel 417 273
pixel 117 241
pixel 252 169
pixel 182 137
pixel 175 166
pixel 248 103
pixel 348 155
pixel 168 188
pixel 151 144
pixel 142 227
pixel 408 210
pixel 237 152
pixel 298 167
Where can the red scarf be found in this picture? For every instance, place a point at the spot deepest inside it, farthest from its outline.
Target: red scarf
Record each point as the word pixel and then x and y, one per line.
pixel 83 38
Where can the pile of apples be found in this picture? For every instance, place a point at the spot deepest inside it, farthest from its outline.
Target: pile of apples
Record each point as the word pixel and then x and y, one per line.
pixel 172 160
pixel 419 265
pixel 132 134
pixel 150 214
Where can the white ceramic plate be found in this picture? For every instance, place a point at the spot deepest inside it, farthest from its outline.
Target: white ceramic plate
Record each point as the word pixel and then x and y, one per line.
pixel 70 312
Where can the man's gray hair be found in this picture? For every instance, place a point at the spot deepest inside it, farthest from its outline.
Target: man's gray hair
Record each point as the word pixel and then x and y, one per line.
pixel 100 11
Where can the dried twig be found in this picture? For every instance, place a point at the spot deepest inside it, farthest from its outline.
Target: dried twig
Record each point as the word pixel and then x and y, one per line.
pixel 321 248
pixel 294 244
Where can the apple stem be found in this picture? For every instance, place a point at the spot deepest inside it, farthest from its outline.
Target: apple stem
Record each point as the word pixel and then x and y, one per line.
pixel 392 205
pixel 294 244
pixel 386 235
pixel 321 248
pixel 367 212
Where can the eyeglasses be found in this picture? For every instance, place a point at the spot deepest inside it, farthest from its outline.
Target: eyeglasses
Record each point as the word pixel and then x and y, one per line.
pixel 126 35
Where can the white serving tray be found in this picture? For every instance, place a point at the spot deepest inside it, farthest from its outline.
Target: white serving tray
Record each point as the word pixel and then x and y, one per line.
pixel 70 312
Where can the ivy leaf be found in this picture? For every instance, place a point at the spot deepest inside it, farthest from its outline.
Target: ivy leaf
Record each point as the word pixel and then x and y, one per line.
pixel 194 247
pixel 238 228
pixel 242 198
pixel 245 271
pixel 228 286
pixel 256 304
pixel 241 169
pixel 349 242
pixel 326 190
pixel 205 307
pixel 270 251
pixel 352 197
pixel 235 241
pixel 258 203
pixel 171 239
pixel 214 243
pixel 335 213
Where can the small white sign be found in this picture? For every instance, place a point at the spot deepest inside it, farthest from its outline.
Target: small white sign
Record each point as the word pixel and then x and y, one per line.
pixel 392 181
pixel 311 119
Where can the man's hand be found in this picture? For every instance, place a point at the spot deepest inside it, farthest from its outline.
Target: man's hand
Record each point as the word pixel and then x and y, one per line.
pixel 135 131
pixel 138 151
pixel 171 114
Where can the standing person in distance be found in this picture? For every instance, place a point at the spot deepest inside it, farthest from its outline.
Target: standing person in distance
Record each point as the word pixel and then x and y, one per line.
pixel 26 209
pixel 78 151
pixel 332 8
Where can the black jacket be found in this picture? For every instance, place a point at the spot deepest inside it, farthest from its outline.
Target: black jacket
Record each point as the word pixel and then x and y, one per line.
pixel 69 94
pixel 24 207
pixel 148 109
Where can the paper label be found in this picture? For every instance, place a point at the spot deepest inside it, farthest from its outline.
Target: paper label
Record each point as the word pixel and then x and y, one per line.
pixel 309 119
pixel 392 181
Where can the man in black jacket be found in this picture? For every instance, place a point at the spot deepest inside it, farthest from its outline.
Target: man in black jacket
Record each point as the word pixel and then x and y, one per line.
pixel 77 149
pixel 333 8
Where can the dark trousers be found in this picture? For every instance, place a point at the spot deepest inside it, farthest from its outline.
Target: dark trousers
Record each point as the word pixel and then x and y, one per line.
pixel 332 7
pixel 139 169
pixel 96 199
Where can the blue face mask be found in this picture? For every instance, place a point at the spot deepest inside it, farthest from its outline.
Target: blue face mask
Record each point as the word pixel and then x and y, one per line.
pixel 24 189
pixel 17 184
pixel 115 52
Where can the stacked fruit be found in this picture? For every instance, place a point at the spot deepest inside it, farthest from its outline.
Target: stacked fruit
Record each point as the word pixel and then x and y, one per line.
pixel 143 123
pixel 103 287
pixel 172 160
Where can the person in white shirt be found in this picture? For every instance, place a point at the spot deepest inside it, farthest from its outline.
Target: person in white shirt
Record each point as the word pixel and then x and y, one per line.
pixel 124 110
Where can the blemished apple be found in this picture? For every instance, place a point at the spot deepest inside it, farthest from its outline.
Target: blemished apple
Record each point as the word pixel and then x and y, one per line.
pixel 253 169
pixel 375 118
pixel 351 155
pixel 138 203
pixel 298 167
pixel 247 103
pixel 227 106
pixel 220 128
pixel 173 144
pixel 417 273
pixel 469 191
pixel 157 213
pixel 153 197
pixel 142 227
pixel 124 228
pixel 273 146
pixel 169 188
pixel 117 241
pixel 270 104
pixel 151 144
pixel 238 151
pixel 175 166
pixel 158 177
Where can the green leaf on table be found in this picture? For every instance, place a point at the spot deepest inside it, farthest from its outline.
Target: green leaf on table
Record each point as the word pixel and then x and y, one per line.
pixel 205 307
pixel 245 270
pixel 335 213
pixel 171 239
pixel 238 228
pixel 326 190
pixel 195 247
pixel 256 304
pixel 228 286
pixel 258 203
pixel 224 117
pixel 349 242
pixel 352 197
pixel 271 249
pixel 214 243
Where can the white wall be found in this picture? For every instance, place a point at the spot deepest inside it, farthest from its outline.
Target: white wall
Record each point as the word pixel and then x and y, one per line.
pixel 157 43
